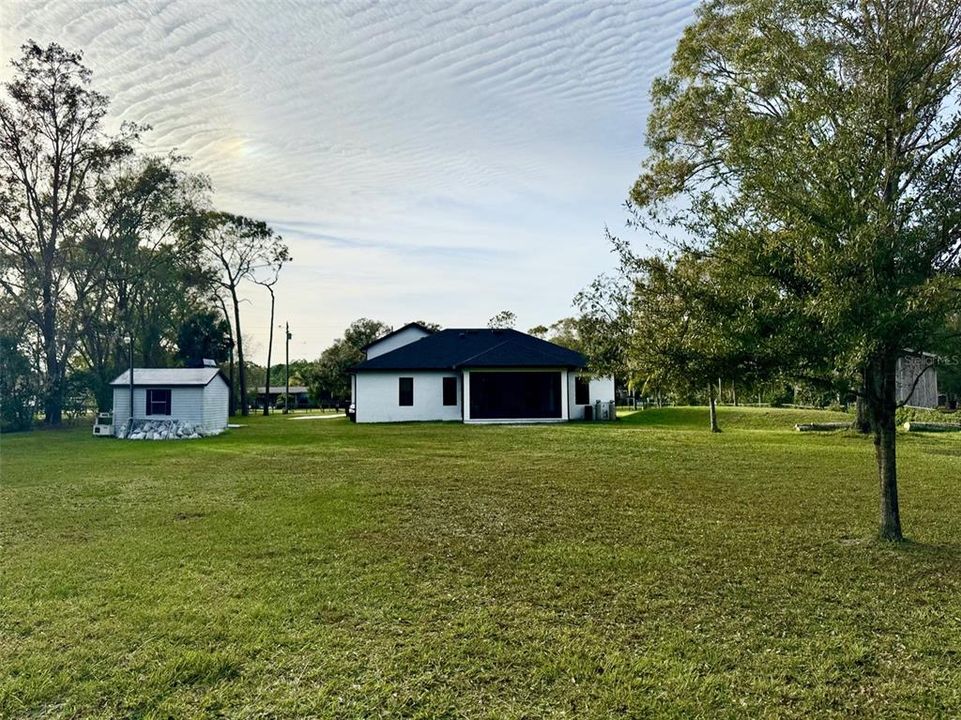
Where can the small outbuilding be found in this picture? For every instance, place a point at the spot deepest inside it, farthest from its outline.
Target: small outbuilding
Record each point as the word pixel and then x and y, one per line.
pixel 194 396
pixel 299 396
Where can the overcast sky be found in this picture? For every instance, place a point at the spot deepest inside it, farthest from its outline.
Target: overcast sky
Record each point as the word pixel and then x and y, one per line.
pixel 424 161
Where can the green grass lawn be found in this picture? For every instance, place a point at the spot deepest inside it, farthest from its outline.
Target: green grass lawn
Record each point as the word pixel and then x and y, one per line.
pixel 323 569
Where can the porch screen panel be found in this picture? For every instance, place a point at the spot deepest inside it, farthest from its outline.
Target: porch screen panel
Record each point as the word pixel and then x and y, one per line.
pixel 515 395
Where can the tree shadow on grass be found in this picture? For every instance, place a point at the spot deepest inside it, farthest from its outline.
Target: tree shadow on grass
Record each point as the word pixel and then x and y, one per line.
pixel 907 548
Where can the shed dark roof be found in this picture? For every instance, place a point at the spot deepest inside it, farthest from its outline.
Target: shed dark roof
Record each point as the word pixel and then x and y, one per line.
pixel 474 348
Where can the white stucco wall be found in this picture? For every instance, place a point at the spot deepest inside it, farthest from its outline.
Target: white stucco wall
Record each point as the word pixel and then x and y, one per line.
pixel 186 403
pixel 216 404
pixel 404 337
pixel 565 394
pixel 377 397
pixel 600 389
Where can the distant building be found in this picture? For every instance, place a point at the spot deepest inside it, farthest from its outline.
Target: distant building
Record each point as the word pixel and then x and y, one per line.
pixel 917 380
pixel 198 396
pixel 475 376
pixel 299 396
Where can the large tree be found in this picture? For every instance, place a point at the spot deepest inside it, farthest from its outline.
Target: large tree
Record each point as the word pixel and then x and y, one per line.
pixel 692 331
pixel 52 150
pixel 816 145
pixel 204 335
pixel 267 277
pixel 237 248
pixel 147 277
pixel 606 322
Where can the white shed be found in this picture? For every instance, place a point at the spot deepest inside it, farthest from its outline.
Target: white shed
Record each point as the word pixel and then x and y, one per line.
pixel 199 396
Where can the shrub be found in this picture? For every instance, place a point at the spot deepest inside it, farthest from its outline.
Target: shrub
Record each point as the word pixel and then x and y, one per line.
pixel 910 414
pixel 18 388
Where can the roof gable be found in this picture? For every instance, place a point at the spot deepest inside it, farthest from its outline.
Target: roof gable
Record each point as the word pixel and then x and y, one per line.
pixel 467 348
pixel 394 333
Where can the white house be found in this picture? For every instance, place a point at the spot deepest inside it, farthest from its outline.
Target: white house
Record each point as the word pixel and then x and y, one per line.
pixel 473 376
pixel 198 396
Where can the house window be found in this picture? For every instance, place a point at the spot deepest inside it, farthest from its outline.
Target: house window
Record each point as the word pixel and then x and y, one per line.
pixel 158 402
pixel 450 391
pixel 582 391
pixel 406 391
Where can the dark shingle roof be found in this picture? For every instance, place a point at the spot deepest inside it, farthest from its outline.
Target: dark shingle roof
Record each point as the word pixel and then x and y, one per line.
pixel 469 348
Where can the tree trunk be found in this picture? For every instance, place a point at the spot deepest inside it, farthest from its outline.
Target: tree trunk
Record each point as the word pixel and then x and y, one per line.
pixel 713 404
pixel 53 392
pixel 862 421
pixel 233 385
pixel 882 408
pixel 270 347
pixel 886 451
pixel 241 370
pixel 734 393
pixel 232 395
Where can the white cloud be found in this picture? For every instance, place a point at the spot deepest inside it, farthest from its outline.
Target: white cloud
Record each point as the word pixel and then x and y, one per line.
pixel 438 161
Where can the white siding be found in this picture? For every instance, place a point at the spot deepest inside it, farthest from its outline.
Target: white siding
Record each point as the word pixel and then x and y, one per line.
pixel 401 338
pixel 186 403
pixel 917 381
pixel 565 394
pixel 377 397
pixel 216 404
pixel 600 389
pixel 121 405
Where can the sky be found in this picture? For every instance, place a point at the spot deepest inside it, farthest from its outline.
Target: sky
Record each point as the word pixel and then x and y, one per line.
pixel 435 161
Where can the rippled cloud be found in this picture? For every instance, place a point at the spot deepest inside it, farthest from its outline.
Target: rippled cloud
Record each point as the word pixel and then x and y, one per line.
pixel 436 161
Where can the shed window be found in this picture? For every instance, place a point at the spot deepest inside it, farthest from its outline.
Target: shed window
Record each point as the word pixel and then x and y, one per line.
pixel 450 391
pixel 406 391
pixel 158 401
pixel 582 391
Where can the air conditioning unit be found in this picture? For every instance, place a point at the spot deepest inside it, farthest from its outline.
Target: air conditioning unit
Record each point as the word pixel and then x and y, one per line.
pixel 104 425
pixel 604 410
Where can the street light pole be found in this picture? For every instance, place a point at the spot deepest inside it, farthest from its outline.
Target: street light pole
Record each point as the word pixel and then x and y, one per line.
pixel 287 371
pixel 130 421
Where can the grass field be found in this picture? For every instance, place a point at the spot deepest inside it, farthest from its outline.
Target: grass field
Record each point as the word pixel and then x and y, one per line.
pixel 323 569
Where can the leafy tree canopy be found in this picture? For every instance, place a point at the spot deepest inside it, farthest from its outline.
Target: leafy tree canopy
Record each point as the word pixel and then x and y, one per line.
pixel 205 335
pixel 505 319
pixel 815 146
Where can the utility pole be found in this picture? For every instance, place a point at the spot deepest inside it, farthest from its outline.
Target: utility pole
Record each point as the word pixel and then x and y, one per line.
pixel 287 371
pixel 270 348
pixel 130 421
